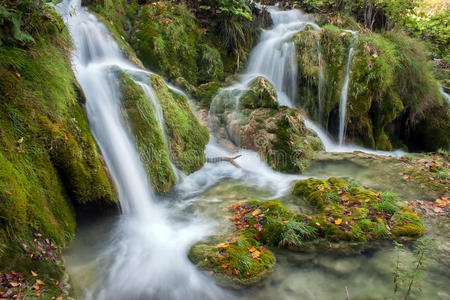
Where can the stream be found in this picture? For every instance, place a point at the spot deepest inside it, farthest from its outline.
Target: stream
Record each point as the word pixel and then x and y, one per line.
pixel 142 253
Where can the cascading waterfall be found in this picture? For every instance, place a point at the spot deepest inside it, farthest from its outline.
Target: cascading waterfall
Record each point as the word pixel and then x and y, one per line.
pixel 321 81
pixel 445 95
pixel 147 258
pixel 344 92
pixel 274 57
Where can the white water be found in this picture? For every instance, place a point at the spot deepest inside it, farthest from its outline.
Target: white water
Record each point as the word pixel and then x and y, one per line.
pixel 147 256
pixel 445 95
pixel 344 92
pixel 321 81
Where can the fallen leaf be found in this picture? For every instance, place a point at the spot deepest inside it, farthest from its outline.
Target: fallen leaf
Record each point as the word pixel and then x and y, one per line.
pixel 256 254
pixel 40 282
pixel 317 223
pixel 13 283
pixel 338 221
pixel 309 217
pixel 345 198
pixel 256 212
pixel 252 249
pixel 224 266
pixel 34 274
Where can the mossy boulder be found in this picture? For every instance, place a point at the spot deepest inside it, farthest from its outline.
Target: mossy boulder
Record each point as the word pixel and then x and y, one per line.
pixel 187 136
pixel 393 99
pixel 277 133
pixel 261 94
pixel 150 141
pixel 353 213
pixel 49 161
pixel 238 258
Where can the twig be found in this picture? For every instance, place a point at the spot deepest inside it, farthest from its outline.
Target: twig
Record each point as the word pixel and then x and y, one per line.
pixel 228 159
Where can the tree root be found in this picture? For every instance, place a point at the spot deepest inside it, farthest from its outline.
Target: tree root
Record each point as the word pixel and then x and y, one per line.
pixel 228 159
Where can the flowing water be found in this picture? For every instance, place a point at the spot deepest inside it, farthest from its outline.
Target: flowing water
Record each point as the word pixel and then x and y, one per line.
pixel 142 253
pixel 344 92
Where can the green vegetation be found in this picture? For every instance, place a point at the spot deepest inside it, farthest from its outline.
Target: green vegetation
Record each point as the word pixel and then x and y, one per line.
pixel 149 137
pixel 48 157
pixel 393 99
pixel 356 213
pixel 187 137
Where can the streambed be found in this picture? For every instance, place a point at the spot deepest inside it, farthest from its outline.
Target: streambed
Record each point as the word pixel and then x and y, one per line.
pixel 205 196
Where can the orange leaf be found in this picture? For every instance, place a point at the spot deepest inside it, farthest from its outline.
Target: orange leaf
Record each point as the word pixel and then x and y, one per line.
pixel 309 217
pixel 317 223
pixel 13 283
pixel 256 212
pixel 338 221
pixel 40 282
pixel 345 198
pixel 34 274
pixel 252 249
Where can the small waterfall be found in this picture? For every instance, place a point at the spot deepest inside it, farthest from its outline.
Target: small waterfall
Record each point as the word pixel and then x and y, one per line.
pixel 321 81
pixel 274 57
pixel 147 256
pixel 445 95
pixel 344 92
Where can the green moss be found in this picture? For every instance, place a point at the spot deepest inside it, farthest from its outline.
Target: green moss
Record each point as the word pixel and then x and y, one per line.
pixel 261 94
pixel 187 137
pixel 49 159
pixel 149 137
pixel 351 213
pixel 238 258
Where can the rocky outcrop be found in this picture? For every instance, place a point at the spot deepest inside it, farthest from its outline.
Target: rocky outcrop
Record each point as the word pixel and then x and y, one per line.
pixel 393 99
pixel 277 133
pixel 149 138
pixel 187 137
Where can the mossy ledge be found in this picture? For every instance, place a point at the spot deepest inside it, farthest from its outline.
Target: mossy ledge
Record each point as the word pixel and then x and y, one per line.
pixel 149 138
pixel 347 217
pixel 48 157
pixel 187 136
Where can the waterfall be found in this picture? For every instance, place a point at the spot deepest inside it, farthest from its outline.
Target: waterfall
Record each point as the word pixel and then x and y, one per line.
pixel 321 81
pixel 147 257
pixel 445 95
pixel 344 92
pixel 274 57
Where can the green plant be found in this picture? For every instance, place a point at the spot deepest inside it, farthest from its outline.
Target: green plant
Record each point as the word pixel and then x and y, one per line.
pixel 294 233
pixel 409 275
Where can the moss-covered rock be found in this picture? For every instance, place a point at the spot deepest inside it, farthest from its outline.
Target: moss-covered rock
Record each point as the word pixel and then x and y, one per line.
pixel 261 94
pixel 393 99
pixel 148 134
pixel 237 257
pixel 49 160
pixel 277 133
pixel 187 136
pixel 353 213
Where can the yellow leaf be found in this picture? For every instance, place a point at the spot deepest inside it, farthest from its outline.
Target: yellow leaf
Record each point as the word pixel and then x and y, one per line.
pixel 438 201
pixel 223 246
pixel 256 254
pixel 338 221
pixel 252 249
pixel 256 212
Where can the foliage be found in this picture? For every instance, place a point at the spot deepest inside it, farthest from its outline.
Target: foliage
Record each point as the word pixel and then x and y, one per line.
pixel 22 21
pixel 408 275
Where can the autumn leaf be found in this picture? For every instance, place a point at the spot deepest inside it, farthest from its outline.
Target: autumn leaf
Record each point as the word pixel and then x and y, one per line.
pixel 256 212
pixel 256 254
pixel 309 217
pixel 224 266
pixel 223 246
pixel 40 282
pixel 317 223
pixel 13 284
pixel 345 198
pixel 252 249
pixel 338 221
pixel 33 273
